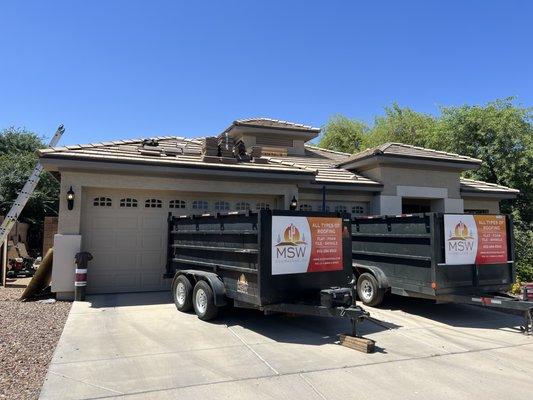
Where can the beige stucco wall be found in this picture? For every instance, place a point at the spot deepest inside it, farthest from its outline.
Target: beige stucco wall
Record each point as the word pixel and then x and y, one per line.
pixel 493 205
pixel 391 177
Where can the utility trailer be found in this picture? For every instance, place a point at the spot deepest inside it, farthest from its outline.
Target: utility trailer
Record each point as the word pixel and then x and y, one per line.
pixel 270 260
pixel 458 258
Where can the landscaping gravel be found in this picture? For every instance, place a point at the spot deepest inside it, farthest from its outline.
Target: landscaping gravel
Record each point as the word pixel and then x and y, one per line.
pixel 29 332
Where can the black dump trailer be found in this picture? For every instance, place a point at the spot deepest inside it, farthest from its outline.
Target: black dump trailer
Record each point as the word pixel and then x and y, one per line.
pixel 270 260
pixel 458 258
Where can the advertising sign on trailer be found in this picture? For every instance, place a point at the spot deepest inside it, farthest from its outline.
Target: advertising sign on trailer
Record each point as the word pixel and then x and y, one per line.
pixel 475 239
pixel 306 244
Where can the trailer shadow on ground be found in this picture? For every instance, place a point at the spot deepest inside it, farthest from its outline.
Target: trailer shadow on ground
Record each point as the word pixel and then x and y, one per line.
pixel 454 315
pixel 296 329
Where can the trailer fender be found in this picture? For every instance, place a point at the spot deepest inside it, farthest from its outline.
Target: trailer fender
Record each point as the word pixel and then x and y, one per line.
pixel 377 272
pixel 213 279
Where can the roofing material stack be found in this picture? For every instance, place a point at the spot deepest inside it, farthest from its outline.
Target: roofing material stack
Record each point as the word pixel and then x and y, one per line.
pixel 226 145
pixel 210 146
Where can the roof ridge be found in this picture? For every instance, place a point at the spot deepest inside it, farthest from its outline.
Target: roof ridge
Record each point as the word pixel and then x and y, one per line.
pixel 436 151
pixel 328 150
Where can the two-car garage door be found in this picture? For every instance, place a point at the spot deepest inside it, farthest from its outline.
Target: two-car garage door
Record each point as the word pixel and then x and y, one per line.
pixel 126 232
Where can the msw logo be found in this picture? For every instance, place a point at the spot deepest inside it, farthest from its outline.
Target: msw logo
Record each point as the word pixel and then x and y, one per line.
pixel 290 252
pixel 461 246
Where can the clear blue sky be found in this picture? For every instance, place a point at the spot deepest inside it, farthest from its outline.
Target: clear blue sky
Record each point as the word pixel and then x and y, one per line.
pixel 117 69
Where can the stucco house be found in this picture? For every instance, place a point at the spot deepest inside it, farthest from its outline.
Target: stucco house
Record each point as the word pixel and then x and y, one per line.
pixel 123 190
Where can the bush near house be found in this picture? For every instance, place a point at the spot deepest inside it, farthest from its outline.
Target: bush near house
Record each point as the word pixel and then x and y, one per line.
pixel 500 133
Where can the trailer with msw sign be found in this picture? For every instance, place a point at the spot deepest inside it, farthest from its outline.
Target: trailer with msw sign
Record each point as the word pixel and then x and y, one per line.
pixel 460 258
pixel 270 260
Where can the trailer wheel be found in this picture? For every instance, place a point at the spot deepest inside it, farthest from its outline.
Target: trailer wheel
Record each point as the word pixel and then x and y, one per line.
pixel 368 290
pixel 183 294
pixel 203 301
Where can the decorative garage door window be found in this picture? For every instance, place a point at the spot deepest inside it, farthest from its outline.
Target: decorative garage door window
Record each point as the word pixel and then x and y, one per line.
pixel 102 202
pixel 242 206
pixel 128 202
pixel 262 206
pixel 358 210
pixel 200 205
pixel 306 207
pixel 221 206
pixel 177 204
pixel 153 203
pixel 340 208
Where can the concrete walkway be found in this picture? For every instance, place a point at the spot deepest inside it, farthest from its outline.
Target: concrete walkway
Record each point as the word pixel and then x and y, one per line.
pixel 137 346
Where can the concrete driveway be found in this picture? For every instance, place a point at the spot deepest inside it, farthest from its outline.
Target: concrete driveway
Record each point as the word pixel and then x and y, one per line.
pixel 137 346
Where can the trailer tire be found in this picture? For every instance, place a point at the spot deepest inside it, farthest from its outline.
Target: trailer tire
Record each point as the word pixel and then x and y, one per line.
pixel 368 290
pixel 182 292
pixel 203 301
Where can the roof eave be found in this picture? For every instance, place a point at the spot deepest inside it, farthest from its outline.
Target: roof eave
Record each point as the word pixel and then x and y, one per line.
pixel 489 194
pixel 375 159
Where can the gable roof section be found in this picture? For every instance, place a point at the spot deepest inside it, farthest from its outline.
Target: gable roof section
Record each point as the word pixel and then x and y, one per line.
pixel 400 150
pixel 480 188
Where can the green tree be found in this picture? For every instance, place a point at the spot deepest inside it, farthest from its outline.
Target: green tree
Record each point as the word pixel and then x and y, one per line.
pixel 402 125
pixel 501 134
pixel 343 134
pixel 17 160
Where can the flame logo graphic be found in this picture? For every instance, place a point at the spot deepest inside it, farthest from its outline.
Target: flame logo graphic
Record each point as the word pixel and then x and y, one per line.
pixel 291 237
pixel 460 232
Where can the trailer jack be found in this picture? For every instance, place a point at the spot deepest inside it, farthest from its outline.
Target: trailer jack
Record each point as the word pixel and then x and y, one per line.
pixel 527 328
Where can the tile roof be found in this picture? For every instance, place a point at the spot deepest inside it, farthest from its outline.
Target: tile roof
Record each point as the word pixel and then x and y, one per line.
pixel 274 123
pixel 471 185
pixel 405 150
pixel 324 163
pixel 164 154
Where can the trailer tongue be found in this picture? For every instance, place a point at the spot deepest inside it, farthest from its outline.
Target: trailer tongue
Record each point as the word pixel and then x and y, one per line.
pixel 273 261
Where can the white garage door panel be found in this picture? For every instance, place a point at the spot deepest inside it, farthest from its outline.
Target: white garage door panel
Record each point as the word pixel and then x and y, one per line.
pixel 128 244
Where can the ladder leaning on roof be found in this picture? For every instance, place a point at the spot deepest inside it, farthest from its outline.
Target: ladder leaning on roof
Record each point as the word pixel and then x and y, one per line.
pixel 26 192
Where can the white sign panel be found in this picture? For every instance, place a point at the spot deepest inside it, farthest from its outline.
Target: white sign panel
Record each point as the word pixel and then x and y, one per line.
pixel 306 244
pixel 460 239
pixel 291 245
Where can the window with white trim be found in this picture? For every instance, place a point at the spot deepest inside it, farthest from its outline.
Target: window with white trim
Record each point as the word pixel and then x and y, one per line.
pixel 177 204
pixel 306 207
pixel 221 206
pixel 128 202
pixel 242 206
pixel 262 205
pixel 102 202
pixel 200 205
pixel 153 203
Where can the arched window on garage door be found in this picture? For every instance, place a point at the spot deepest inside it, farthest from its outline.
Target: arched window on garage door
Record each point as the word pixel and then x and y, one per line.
pixel 340 208
pixel 200 205
pixel 177 204
pixel 358 210
pixel 102 202
pixel 153 203
pixel 221 206
pixel 262 205
pixel 242 206
pixel 306 207
pixel 128 202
